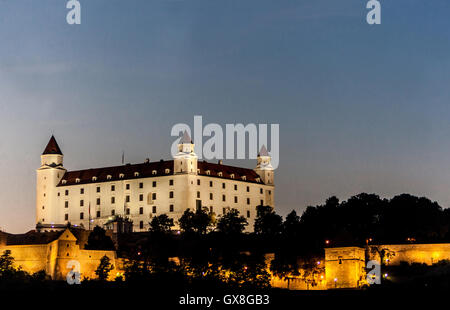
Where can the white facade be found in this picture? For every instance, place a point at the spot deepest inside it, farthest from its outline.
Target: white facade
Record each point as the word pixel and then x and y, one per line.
pixel 141 191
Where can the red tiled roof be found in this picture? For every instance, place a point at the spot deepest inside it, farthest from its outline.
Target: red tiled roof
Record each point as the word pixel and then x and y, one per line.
pixel 52 147
pixel 145 170
pixel 214 169
pixel 32 237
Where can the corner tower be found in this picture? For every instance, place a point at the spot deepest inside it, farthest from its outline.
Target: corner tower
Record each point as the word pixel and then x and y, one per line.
pixel 264 167
pixel 48 176
pixel 185 161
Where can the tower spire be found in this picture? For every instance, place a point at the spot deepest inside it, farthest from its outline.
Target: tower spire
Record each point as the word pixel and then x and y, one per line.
pixel 52 147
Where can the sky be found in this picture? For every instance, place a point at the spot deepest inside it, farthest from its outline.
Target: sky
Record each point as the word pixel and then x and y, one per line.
pixel 361 108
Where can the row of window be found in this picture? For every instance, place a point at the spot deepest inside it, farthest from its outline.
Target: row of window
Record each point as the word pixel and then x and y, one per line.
pixel 141 211
pixel 153 197
pixel 154 184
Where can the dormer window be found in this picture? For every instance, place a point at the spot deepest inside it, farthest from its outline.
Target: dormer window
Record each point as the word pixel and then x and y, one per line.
pixel 198 170
pixel 232 175
pixel 154 172
pixel 244 177
pixel 208 172
pixel 108 177
pixel 258 180
pixel 64 181
pixel 220 174
pixel 94 178
pixel 167 171
pixel 136 174
pixel 77 180
pixel 121 175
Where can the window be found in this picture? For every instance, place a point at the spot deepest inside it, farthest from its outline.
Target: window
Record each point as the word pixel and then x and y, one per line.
pixel 128 211
pixel 171 208
pixel 270 192
pixel 171 182
pixel 248 188
pixel 81 191
pixel 98 201
pixel 81 203
pixel 98 189
pixel 81 215
pixel 235 187
pixel 141 224
pixel 58 194
pixel 141 185
pixel 260 190
pixel 198 182
pixel 113 200
pixel 223 198
pixel 66 217
pixel 66 204
pixel 94 178
pixel 210 196
pixel 210 183
pixel 98 214
pixel 113 212
pixel 43 207
pixel 154 184
pixel 141 197
pixel 198 194
pixel 235 199
pixel 224 210
pixel 211 209
pixel 170 194
pixel 262 202
pixel 108 177
pixel 154 209
pixel 248 201
pixel 154 196
pixel 67 192
pixel 141 210
pixel 223 185
pixel 248 213
pixel 127 198
pixel 127 186
pixel 113 188
pixel 136 174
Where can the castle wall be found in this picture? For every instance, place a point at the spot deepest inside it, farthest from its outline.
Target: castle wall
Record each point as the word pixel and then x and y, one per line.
pixel 412 253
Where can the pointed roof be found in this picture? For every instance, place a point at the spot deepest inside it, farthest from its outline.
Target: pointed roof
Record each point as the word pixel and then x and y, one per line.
pixel 263 151
pixel 52 147
pixel 186 139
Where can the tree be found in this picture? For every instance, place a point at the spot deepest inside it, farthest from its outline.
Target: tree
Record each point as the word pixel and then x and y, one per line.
pixel 98 240
pixel 291 226
pixel 6 263
pixel 198 222
pixel 161 224
pixel 232 223
pixel 267 222
pixel 104 268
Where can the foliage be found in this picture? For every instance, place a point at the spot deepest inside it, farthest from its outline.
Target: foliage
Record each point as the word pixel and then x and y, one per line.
pixel 232 223
pixel 104 268
pixel 98 240
pixel 161 224
pixel 267 222
pixel 197 222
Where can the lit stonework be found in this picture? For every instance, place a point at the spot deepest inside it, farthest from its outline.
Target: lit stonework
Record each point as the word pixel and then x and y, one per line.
pixel 141 191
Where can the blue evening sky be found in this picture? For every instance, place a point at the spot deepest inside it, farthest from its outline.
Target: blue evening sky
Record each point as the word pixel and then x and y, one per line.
pixel 361 108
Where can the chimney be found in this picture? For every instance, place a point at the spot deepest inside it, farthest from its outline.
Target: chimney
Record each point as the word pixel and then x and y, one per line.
pixel 220 162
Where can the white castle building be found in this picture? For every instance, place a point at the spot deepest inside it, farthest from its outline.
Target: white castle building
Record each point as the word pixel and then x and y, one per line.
pixel 139 192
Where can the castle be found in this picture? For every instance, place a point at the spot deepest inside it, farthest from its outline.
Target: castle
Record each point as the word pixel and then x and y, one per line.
pixel 138 192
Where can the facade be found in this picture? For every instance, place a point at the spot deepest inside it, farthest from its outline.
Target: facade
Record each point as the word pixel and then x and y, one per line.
pixel 56 253
pixel 139 192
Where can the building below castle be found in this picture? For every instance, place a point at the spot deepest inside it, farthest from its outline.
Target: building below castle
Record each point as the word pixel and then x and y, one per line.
pixel 56 253
pixel 138 192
